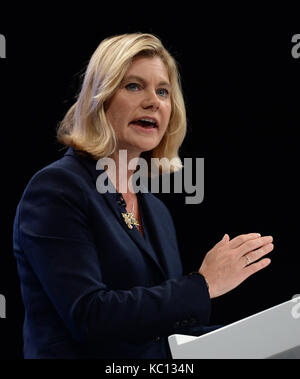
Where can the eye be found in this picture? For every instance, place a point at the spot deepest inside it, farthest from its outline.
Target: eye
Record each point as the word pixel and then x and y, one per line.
pixel 163 92
pixel 133 86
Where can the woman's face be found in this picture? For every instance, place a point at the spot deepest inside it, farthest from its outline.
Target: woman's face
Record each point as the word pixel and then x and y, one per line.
pixel 140 109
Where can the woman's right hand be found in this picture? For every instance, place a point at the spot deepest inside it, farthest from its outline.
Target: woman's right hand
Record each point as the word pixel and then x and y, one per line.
pixel 230 262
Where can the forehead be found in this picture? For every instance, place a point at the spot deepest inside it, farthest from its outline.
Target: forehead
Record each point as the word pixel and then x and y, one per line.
pixel 148 68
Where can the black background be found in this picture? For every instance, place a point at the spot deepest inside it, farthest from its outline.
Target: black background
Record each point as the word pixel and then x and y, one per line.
pixel 242 88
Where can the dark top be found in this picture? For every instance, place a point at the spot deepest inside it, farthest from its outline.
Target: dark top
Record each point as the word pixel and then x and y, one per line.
pixel 92 287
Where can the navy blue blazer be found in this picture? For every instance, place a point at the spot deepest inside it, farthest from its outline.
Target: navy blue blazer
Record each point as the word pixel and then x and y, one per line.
pixel 92 287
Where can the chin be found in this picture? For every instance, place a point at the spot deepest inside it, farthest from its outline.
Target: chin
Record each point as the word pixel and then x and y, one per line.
pixel 147 146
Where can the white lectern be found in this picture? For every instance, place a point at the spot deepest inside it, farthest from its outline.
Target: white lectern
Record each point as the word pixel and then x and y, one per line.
pixel 273 333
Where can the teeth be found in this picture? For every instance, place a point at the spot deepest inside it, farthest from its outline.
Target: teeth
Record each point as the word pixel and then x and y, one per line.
pixel 148 120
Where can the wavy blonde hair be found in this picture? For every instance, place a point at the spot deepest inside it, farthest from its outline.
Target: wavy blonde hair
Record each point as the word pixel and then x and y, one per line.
pixel 85 126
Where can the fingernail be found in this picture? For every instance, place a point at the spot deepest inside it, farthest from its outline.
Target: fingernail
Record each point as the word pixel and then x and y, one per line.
pixel 225 237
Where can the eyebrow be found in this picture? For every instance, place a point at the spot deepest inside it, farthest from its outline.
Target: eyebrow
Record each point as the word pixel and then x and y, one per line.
pixel 140 79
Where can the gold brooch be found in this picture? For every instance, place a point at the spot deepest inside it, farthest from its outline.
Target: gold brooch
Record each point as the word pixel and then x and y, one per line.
pixel 130 220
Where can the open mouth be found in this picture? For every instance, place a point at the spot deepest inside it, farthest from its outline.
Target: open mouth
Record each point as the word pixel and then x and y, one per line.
pixel 147 123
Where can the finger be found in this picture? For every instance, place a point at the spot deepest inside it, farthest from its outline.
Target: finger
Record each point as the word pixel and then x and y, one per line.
pixel 254 244
pixel 255 267
pixel 256 254
pixel 224 240
pixel 239 240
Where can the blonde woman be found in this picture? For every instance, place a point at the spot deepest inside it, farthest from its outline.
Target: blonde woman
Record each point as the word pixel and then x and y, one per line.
pixel 100 273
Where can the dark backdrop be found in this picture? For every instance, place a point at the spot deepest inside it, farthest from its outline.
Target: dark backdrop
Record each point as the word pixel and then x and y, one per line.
pixel 241 87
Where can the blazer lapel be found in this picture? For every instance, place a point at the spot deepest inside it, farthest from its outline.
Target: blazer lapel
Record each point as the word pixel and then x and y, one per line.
pixel 112 200
pixel 170 262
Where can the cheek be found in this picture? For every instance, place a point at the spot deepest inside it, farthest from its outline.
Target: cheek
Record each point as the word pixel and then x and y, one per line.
pixel 115 114
pixel 122 110
pixel 167 113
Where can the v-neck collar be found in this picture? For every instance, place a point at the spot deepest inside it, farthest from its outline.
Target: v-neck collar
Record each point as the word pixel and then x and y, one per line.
pixel 113 200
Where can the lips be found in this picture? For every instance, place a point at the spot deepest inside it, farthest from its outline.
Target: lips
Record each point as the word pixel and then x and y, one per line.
pixel 146 122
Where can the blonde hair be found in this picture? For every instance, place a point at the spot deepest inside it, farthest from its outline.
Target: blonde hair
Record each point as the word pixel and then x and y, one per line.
pixel 85 126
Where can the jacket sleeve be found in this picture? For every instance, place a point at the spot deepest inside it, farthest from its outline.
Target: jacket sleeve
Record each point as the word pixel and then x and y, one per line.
pixel 57 241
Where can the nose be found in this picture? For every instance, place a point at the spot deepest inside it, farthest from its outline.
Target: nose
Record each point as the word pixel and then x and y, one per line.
pixel 151 100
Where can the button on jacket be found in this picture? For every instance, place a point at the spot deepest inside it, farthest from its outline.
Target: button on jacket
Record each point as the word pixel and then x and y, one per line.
pixel 92 287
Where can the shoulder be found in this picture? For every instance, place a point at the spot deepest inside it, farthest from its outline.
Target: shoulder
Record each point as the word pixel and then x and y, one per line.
pixel 69 167
pixel 62 178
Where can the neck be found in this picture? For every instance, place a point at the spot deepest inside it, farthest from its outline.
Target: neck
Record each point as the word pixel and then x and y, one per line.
pixel 125 168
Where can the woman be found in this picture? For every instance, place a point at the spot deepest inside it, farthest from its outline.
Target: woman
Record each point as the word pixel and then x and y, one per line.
pixel 100 273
